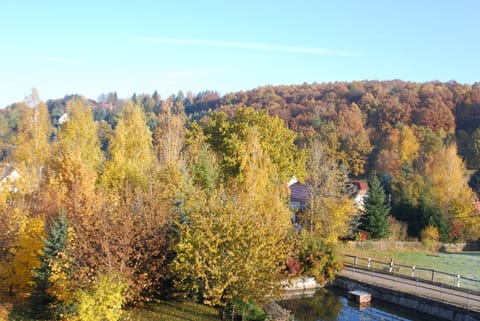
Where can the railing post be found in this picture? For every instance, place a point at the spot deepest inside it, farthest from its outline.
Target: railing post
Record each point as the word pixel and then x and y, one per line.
pixel 468 299
pixel 458 280
pixel 369 261
pixel 433 275
pixel 413 272
pixel 441 294
pixel 355 261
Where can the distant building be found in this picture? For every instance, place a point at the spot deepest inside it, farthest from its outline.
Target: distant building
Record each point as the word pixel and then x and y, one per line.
pixel 361 194
pixel 63 119
pixel 9 176
pixel 298 196
pixel 107 106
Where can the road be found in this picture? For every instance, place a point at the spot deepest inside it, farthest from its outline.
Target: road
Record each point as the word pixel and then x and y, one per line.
pixel 437 292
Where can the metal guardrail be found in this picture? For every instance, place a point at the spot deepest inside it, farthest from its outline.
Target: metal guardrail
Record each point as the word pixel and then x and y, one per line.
pixel 439 285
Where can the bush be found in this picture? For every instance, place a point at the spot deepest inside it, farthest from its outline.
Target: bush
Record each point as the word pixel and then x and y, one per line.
pixel 398 230
pixel 247 311
pixel 103 301
pixel 318 259
pixel 430 236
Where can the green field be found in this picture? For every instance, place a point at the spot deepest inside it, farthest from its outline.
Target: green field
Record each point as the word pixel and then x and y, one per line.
pixel 466 263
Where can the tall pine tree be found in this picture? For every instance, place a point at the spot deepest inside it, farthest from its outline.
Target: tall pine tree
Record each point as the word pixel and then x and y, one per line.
pixel 55 244
pixel 375 219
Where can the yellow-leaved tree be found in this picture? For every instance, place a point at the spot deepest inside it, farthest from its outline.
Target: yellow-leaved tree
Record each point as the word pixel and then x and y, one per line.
pixel 32 143
pixel 131 152
pixel 400 150
pixel 234 244
pixel 445 172
pixel 74 166
pixel 16 272
pixel 170 134
pixel 329 210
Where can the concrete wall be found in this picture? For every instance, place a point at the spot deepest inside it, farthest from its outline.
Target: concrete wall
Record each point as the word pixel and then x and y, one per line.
pixel 438 309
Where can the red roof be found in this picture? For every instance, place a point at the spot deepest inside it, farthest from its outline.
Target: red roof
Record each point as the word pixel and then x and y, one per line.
pixel 360 185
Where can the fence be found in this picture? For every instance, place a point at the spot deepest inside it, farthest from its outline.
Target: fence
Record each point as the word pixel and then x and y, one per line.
pixel 438 284
pixel 381 245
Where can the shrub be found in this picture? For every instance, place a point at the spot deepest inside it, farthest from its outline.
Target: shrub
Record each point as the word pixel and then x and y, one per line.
pixel 247 311
pixel 318 259
pixel 103 301
pixel 398 230
pixel 429 236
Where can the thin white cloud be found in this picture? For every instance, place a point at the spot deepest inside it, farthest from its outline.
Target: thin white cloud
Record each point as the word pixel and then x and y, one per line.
pixel 246 46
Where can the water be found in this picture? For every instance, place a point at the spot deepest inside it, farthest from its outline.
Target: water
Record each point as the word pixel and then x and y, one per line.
pixel 331 304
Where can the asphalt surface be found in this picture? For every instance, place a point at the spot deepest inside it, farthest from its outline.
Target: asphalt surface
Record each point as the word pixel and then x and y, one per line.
pixel 451 295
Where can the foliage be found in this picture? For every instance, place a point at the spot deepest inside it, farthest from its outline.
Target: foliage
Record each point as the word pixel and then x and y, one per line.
pixel 103 300
pixel 32 143
pixel 131 152
pixel 16 272
pixel 230 245
pixel 430 236
pixel 329 210
pixel 397 230
pixel 223 181
pixel 170 134
pixel 446 173
pixel 332 218
pixel 5 310
pixel 277 141
pixel 130 238
pixel 205 170
pixel 318 258
pixel 73 169
pixel 48 290
pixel 249 311
pixel 399 152
pixel 375 218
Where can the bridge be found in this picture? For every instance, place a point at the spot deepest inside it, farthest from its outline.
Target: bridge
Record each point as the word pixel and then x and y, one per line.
pixel 443 287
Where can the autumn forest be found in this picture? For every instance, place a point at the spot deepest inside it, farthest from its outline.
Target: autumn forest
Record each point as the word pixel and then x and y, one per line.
pixel 186 197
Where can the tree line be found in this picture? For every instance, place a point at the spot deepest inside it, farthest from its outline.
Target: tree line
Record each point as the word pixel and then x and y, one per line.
pixel 191 209
pixel 187 196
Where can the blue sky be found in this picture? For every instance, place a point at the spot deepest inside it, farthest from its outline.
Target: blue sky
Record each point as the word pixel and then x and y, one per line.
pixel 90 47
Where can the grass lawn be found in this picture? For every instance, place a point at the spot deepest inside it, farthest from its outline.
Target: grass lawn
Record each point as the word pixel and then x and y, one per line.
pixel 158 311
pixel 172 311
pixel 465 263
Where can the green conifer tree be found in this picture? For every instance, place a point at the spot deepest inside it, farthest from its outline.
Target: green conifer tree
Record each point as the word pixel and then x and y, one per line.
pixel 375 219
pixel 55 243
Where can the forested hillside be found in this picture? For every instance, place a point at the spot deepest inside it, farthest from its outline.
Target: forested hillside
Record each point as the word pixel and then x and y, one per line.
pixel 187 195
pixel 367 109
